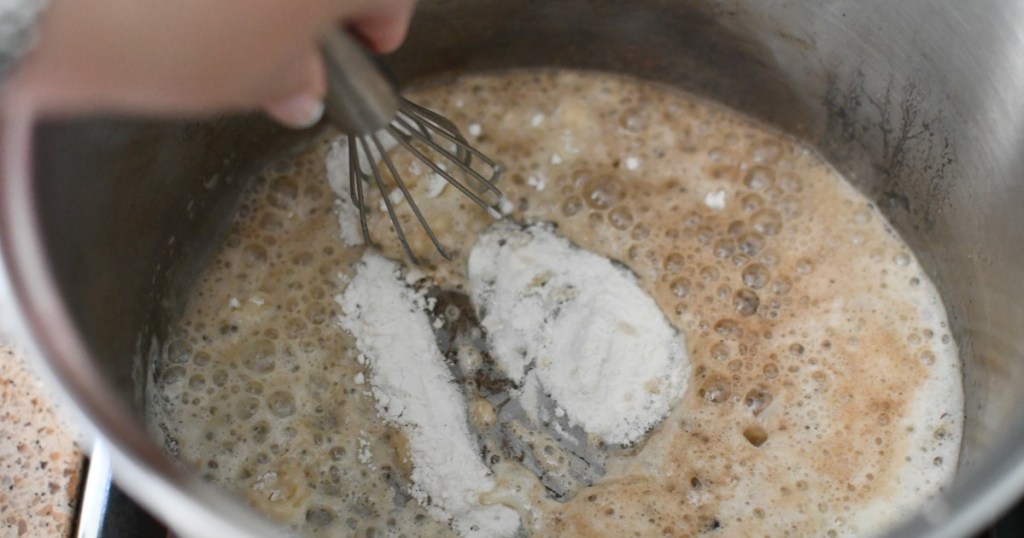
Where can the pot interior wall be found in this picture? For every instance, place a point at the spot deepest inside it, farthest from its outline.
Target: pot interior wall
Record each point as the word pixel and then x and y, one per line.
pixel 912 101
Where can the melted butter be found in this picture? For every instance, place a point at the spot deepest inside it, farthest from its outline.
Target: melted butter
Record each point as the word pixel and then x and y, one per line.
pixel 825 398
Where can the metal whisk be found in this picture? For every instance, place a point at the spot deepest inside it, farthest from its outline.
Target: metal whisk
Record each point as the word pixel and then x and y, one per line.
pixel 363 103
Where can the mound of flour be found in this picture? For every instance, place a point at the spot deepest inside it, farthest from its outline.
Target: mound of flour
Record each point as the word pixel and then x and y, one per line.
pixel 415 392
pixel 582 326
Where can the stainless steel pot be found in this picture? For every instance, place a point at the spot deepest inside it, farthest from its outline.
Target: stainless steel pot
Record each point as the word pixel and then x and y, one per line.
pixel 104 222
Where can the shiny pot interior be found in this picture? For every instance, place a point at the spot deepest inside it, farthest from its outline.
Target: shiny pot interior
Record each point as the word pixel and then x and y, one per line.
pixel 105 222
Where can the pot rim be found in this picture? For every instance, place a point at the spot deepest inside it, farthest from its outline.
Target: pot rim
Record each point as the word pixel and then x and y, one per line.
pixel 59 353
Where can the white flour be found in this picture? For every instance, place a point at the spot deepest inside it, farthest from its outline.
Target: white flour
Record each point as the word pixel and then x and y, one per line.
pixel 337 176
pixel 595 341
pixel 337 162
pixel 825 394
pixel 415 391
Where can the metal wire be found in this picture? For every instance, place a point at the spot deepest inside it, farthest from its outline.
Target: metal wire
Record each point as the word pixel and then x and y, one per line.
pixel 433 140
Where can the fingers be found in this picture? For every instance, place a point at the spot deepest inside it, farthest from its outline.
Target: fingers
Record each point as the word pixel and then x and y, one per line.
pixel 298 112
pixel 194 56
pixel 304 105
pixel 384 26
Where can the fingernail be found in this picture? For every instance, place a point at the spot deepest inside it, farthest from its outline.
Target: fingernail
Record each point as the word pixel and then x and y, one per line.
pixel 298 112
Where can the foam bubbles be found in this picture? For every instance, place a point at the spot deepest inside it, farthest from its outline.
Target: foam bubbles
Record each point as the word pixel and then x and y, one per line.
pixel 755 276
pixel 681 287
pixel 758 177
pixel 177 351
pixel 602 192
pixel 757 399
pixel 674 263
pixel 755 435
pixel 716 389
pixel 746 302
pixel 259 356
pixel 761 444
pixel 766 222
pixel 571 206
pixel 620 218
pixel 281 403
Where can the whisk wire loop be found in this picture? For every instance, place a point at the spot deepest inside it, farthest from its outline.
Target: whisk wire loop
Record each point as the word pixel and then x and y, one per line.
pixel 436 168
pixel 412 204
pixel 355 185
pixel 465 152
pixel 375 171
pixel 432 139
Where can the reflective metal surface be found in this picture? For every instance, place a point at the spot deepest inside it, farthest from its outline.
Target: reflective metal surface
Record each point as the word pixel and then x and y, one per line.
pixel 918 102
pixel 360 99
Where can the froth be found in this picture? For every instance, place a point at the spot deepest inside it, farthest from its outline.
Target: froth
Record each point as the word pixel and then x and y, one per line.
pixel 825 395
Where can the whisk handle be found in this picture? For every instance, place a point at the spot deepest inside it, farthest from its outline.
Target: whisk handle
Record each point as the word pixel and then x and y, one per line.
pixel 360 98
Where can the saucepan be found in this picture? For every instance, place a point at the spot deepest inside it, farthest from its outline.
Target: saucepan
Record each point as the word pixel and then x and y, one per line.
pixel 104 222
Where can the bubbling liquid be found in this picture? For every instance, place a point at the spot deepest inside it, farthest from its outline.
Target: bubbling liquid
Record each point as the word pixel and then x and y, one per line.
pixel 825 397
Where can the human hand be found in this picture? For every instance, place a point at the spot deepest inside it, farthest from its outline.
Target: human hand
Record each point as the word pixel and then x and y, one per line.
pixel 189 57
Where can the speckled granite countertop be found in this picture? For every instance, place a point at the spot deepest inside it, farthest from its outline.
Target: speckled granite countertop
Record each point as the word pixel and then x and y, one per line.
pixel 40 465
